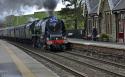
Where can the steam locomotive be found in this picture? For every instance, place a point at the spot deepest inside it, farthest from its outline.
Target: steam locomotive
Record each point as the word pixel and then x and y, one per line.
pixel 49 33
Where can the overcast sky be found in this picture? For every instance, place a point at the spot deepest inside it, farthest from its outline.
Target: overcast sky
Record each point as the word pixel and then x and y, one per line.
pixel 33 9
pixel 15 7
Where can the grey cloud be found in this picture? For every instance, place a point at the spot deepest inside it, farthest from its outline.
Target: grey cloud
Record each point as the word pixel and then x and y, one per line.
pixel 8 7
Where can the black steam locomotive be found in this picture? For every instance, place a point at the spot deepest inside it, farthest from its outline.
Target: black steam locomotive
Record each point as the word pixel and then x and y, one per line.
pixel 49 33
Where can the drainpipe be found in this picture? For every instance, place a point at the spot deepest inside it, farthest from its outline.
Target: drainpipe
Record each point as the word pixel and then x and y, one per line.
pixel 117 24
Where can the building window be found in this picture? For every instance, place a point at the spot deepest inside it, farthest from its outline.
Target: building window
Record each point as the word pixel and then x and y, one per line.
pixel 89 26
pixel 121 27
pixel 96 23
pixel 108 23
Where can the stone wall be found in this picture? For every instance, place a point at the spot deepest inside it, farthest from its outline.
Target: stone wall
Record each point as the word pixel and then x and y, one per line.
pixel 113 36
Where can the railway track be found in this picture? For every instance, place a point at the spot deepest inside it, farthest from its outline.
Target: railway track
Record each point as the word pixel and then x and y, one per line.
pixel 96 59
pixel 106 66
pixel 68 69
pixel 116 55
pixel 88 62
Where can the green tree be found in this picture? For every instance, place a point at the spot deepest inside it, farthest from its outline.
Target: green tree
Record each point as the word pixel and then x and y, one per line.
pixel 78 9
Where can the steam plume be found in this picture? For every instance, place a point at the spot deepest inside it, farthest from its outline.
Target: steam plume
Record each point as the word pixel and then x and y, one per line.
pixel 9 7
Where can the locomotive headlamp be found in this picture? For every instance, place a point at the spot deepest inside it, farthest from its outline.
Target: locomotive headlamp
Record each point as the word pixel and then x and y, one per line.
pixel 64 38
pixel 65 41
pixel 57 38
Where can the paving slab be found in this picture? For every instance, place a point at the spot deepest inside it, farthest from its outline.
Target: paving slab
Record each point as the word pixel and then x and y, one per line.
pixel 16 63
pixel 96 43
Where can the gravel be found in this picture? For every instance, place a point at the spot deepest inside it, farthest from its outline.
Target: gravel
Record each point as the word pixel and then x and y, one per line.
pixel 96 63
pixel 107 57
pixel 79 67
pixel 54 68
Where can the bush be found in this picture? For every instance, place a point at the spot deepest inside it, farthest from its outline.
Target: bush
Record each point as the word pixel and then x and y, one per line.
pixel 104 37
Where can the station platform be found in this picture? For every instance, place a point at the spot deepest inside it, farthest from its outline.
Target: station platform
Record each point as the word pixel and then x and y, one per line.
pixel 97 43
pixel 16 63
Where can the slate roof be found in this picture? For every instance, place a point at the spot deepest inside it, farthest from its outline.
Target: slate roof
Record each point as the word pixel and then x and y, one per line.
pixel 120 5
pixel 113 3
pixel 92 6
